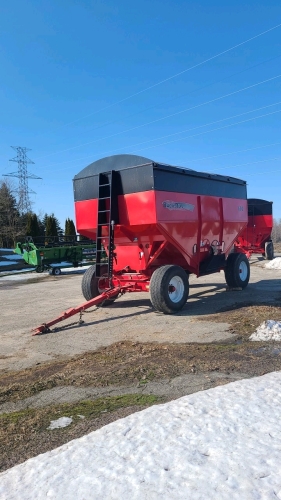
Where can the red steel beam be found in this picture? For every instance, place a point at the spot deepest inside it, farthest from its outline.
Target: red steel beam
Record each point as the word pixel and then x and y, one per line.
pixel 75 310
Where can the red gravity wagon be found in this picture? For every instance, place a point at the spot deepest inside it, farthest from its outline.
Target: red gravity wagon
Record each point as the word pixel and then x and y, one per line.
pixel 256 237
pixel 158 224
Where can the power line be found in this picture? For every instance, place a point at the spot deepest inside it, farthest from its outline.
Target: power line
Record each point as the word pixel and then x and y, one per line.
pixel 189 161
pixel 234 152
pixel 246 164
pixel 193 135
pixel 264 172
pixel 206 124
pixel 182 138
pixel 24 203
pixel 164 118
pixel 208 131
pixel 184 95
pixel 175 75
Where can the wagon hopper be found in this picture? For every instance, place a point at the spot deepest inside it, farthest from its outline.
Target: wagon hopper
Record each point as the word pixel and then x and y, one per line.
pixel 256 237
pixel 158 224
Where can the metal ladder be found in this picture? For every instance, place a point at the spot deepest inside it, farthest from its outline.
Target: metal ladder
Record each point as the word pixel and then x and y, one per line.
pixel 107 216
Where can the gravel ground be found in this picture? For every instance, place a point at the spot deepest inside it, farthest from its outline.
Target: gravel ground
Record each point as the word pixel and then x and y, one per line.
pixel 31 302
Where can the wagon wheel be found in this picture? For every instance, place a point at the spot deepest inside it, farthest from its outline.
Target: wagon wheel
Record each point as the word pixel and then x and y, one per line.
pixel 269 250
pixel 39 269
pixel 237 271
pixel 56 271
pixel 93 286
pixel 169 288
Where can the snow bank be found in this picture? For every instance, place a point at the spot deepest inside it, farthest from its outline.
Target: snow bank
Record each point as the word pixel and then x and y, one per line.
pixel 5 263
pixel 268 330
pixel 218 444
pixel 60 422
pixel 22 275
pixel 274 264
pixel 14 256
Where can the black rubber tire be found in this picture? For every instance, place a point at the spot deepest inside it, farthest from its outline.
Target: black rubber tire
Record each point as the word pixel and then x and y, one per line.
pixel 56 271
pixel 90 287
pixel 159 289
pixel 269 250
pixel 237 271
pixel 39 269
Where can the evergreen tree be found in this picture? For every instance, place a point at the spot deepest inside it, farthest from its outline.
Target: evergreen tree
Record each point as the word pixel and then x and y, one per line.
pixel 58 230
pixel 72 229
pixel 44 221
pixel 51 226
pixel 66 227
pixel 10 220
pixel 69 228
pixel 32 225
pixel 29 224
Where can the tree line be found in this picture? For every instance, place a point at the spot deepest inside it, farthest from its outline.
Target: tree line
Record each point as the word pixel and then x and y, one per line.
pixel 15 226
pixel 276 231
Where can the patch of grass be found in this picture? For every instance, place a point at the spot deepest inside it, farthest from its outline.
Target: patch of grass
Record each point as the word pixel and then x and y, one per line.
pixel 126 363
pixel 40 417
pixel 225 347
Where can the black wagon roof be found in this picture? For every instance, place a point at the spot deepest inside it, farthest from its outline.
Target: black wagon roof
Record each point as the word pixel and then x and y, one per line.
pixel 138 174
pixel 257 206
pixel 124 161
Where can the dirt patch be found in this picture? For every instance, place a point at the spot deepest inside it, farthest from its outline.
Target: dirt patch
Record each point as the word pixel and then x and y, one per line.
pixel 244 319
pixel 128 362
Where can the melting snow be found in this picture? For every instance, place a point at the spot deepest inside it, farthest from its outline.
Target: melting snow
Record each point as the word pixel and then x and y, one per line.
pixel 274 264
pixel 217 444
pixel 60 422
pixel 8 263
pixel 268 330
pixel 14 256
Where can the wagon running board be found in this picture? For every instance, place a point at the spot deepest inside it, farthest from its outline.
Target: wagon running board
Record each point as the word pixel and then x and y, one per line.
pixel 109 294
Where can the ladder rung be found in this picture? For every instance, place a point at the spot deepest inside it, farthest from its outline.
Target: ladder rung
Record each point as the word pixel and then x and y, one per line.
pixel 103 211
pixel 105 198
pixel 102 185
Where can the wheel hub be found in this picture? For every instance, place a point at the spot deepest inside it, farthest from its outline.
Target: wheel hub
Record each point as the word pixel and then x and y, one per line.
pixel 176 289
pixel 243 271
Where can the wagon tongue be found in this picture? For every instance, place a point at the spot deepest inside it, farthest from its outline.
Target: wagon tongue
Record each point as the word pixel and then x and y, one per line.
pixel 108 294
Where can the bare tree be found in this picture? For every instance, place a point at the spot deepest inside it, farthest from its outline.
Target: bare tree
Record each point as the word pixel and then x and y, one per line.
pixel 10 220
pixel 276 231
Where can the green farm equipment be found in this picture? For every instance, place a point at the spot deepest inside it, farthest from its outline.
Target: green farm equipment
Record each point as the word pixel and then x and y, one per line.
pixel 50 252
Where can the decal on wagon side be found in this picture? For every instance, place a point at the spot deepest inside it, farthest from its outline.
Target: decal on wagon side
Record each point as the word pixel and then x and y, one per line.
pixel 178 205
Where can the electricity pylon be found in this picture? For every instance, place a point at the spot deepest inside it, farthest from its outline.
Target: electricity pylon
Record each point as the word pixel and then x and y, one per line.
pixel 24 203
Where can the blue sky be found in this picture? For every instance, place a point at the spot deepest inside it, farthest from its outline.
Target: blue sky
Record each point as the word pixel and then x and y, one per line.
pixel 69 67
